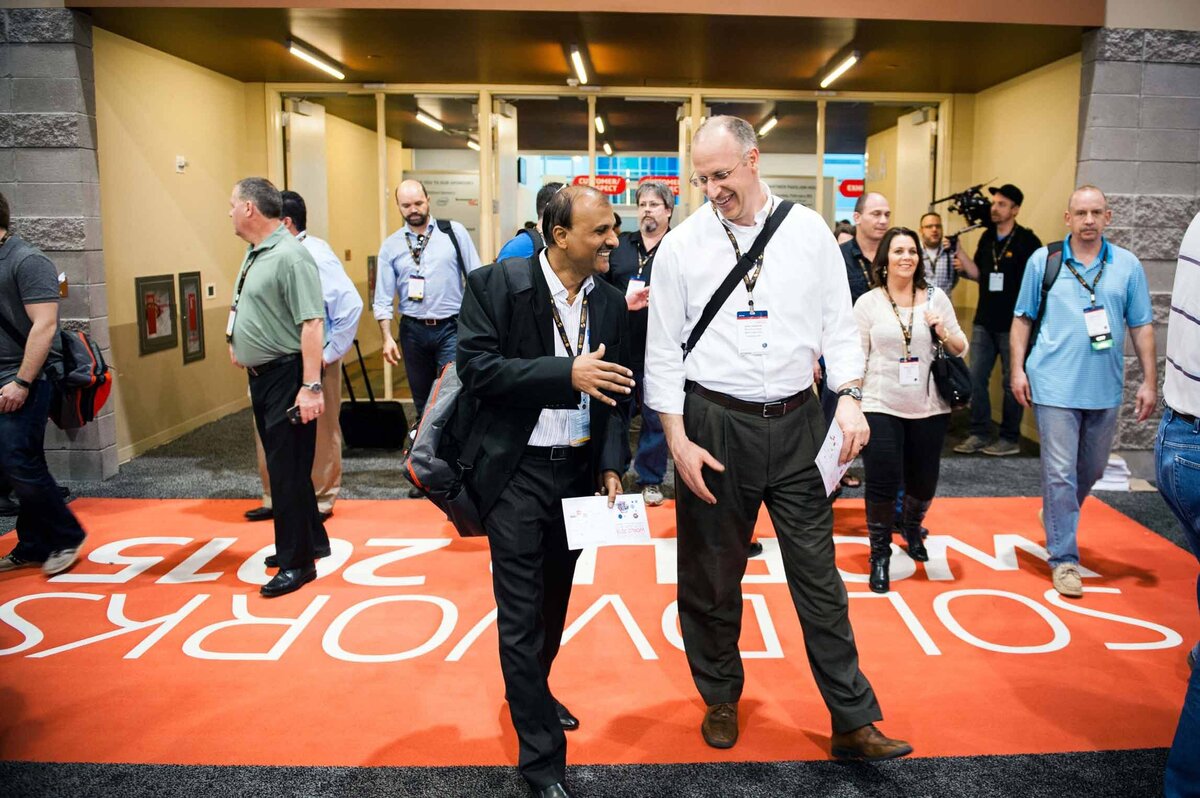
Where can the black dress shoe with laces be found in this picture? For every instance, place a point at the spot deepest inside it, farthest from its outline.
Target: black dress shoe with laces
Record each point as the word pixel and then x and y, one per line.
pixel 260 514
pixel 320 553
pixel 288 580
pixel 556 790
pixel 8 506
pixel 569 722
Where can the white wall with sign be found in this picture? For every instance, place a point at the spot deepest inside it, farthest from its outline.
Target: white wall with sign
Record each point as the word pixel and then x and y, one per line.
pixel 803 190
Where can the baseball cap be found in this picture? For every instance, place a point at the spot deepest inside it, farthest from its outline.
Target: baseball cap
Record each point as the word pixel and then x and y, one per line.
pixel 1010 191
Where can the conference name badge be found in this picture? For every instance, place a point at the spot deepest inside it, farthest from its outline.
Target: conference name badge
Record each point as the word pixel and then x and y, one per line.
pixel 910 371
pixel 996 281
pixel 1098 330
pixel 229 324
pixel 416 288
pixel 581 423
pixel 634 286
pixel 752 336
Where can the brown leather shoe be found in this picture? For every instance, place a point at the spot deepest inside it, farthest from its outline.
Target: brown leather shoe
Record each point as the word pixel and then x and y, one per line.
pixel 867 744
pixel 720 726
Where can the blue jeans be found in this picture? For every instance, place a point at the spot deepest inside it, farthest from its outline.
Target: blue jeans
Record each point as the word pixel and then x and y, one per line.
pixel 1177 452
pixel 986 346
pixel 44 523
pixel 650 463
pixel 426 349
pixel 1075 448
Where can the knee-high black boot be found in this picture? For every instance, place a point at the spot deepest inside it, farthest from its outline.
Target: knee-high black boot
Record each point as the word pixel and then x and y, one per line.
pixel 881 517
pixel 910 525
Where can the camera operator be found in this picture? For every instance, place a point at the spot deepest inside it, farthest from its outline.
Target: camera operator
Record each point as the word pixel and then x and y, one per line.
pixel 998 266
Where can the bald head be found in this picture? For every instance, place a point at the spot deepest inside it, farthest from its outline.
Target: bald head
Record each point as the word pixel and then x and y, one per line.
pixel 741 131
pixel 1087 215
pixel 413 202
pixel 1087 193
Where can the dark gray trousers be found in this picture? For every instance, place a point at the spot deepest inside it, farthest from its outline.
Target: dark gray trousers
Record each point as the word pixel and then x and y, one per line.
pixel 769 460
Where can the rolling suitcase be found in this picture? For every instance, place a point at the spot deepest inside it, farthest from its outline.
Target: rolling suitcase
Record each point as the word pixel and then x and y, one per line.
pixel 371 424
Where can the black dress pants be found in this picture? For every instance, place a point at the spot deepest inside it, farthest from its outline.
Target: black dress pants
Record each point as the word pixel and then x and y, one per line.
pixel 289 450
pixel 769 460
pixel 532 570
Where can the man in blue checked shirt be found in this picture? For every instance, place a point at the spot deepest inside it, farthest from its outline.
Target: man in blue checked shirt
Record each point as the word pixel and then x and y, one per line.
pixel 343 306
pixel 421 264
pixel 1075 372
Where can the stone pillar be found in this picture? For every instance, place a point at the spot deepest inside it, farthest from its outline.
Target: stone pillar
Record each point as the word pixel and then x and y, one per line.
pixel 1139 141
pixel 49 172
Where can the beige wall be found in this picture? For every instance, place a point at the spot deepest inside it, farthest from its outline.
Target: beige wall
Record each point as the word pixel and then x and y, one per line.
pixel 151 107
pixel 1023 131
pixel 882 159
pixel 1163 14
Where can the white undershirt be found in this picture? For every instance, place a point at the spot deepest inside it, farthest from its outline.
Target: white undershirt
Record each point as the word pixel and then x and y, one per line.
pixel 554 426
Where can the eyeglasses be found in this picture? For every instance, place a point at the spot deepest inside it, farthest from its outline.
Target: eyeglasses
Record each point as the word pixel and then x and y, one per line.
pixel 650 206
pixel 700 181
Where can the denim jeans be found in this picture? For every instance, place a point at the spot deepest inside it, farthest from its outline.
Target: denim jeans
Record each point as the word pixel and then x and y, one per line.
pixel 44 524
pixel 426 349
pixel 650 462
pixel 1177 453
pixel 986 346
pixel 1075 448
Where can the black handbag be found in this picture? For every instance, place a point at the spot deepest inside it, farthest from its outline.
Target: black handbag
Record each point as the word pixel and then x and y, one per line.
pixel 950 374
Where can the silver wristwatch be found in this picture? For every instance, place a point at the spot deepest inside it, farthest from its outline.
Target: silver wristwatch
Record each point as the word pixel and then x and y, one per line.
pixel 315 387
pixel 853 393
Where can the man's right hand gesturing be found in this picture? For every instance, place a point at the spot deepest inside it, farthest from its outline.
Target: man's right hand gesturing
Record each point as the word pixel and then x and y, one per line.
pixel 591 374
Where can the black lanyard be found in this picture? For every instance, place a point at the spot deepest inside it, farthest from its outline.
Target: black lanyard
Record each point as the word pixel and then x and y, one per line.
pixel 932 262
pixel 562 331
pixel 1091 289
pixel 422 242
pixel 237 296
pixel 907 332
pixel 1007 243
pixel 646 258
pixel 751 278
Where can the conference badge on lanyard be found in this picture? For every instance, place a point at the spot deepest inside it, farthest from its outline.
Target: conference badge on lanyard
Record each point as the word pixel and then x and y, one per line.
pixel 752 338
pixel 910 371
pixel 996 281
pixel 581 422
pixel 1098 330
pixel 416 288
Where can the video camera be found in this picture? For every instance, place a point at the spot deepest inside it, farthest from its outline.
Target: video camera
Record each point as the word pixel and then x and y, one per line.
pixel 972 206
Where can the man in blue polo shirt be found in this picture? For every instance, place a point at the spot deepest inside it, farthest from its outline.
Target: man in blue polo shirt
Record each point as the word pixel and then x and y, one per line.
pixel 528 241
pixel 1076 370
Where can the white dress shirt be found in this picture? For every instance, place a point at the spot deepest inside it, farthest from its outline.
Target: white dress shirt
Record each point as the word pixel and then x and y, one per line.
pixel 1181 391
pixel 343 305
pixel 554 426
pixel 802 286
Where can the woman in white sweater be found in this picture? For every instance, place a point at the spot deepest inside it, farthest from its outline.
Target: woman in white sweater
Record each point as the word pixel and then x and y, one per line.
pixel 901 323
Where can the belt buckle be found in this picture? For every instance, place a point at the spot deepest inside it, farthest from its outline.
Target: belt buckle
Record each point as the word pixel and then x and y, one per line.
pixel 768 410
pixel 559 452
pixel 430 322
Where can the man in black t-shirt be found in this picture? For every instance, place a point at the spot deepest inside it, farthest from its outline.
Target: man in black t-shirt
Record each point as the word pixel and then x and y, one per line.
pixel 630 267
pixel 48 534
pixel 998 266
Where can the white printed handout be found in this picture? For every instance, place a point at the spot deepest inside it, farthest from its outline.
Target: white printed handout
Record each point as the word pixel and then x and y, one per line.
pixel 591 522
pixel 827 458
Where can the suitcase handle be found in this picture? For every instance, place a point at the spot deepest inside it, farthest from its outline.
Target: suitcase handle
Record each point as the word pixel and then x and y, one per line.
pixel 366 377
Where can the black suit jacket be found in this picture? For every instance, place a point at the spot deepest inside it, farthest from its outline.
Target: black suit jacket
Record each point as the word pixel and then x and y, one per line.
pixel 509 372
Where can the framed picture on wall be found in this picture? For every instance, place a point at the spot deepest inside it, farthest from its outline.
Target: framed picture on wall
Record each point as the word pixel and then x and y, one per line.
pixel 157 324
pixel 372 274
pixel 191 316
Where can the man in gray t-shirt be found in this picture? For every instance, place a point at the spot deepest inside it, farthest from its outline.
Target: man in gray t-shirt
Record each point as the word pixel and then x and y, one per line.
pixel 48 534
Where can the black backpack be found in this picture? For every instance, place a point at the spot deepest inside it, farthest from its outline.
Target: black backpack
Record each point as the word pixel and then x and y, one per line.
pixel 1054 252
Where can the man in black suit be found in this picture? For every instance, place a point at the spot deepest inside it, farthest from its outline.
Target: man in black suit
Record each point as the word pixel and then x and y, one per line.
pixel 543 358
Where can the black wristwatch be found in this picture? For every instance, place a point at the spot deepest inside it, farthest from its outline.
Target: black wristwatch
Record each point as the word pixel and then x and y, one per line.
pixel 853 393
pixel 23 383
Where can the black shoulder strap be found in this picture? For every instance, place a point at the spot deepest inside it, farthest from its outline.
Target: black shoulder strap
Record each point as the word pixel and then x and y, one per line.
pixel 538 242
pixel 740 270
pixel 447 228
pixel 1054 252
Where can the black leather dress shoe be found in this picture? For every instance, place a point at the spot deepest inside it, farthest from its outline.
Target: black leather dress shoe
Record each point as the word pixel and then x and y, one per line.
pixel 320 553
pixel 756 549
pixel 569 722
pixel 260 514
pixel 325 516
pixel 8 506
pixel 288 581
pixel 557 790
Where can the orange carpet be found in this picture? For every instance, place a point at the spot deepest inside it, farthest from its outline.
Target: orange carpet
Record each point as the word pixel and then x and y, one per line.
pixel 158 648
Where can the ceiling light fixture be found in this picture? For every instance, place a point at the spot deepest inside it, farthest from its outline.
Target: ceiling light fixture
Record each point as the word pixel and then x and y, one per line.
pixel 840 69
pixel 473 144
pixel 768 126
pixel 599 125
pixel 577 62
pixel 311 57
pixel 426 119
pixel 607 148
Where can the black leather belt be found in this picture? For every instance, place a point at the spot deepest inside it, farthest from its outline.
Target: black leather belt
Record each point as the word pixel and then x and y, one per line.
pixel 1184 417
pixel 555 452
pixel 764 409
pixel 270 365
pixel 430 322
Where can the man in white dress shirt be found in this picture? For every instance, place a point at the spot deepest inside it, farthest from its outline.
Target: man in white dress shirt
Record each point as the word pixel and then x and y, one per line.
pixel 343 306
pixel 744 427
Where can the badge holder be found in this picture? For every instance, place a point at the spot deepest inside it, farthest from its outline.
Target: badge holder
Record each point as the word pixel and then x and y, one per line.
pixel 910 371
pixel 581 422
pixel 1098 330
pixel 996 281
pixel 635 285
pixel 752 332
pixel 416 288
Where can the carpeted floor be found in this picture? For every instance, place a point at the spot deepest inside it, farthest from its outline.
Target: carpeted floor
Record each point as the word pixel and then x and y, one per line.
pixel 220 458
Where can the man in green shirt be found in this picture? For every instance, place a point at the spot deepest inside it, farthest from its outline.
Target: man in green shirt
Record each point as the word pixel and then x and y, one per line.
pixel 276 332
